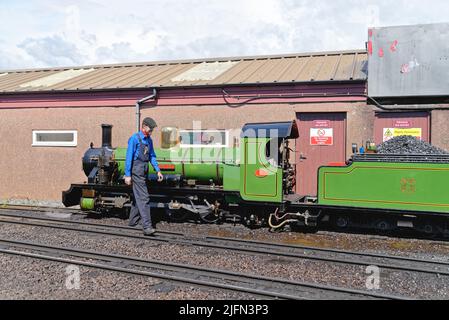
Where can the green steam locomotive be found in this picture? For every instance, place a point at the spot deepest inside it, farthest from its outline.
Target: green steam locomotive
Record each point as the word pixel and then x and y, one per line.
pixel 254 182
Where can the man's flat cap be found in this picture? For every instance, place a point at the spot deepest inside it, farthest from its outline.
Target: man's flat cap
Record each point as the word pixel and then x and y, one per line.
pixel 149 122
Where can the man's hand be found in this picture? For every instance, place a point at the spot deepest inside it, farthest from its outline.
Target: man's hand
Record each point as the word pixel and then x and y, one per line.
pixel 160 177
pixel 128 180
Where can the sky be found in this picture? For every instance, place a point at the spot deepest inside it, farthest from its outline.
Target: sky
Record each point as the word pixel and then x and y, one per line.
pixel 51 33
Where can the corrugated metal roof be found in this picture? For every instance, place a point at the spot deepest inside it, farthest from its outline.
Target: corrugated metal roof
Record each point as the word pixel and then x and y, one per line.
pixel 55 78
pixel 204 71
pixel 306 67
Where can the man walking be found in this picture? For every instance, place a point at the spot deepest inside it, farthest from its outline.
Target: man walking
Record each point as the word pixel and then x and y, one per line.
pixel 140 152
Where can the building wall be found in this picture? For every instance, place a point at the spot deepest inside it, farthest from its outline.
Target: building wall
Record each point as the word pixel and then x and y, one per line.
pixel 401 121
pixel 439 128
pixel 43 172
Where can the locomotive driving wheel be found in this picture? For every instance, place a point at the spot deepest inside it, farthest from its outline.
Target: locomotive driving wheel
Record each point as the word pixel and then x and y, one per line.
pixel 178 215
pixel 342 221
pixel 429 228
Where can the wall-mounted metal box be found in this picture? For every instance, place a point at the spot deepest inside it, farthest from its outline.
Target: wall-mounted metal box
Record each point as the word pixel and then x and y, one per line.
pixel 408 61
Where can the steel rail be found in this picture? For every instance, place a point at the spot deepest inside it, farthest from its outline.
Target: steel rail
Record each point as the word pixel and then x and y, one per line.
pixel 22 207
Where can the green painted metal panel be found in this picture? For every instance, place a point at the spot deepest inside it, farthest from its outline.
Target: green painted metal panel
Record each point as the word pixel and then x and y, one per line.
pixel 231 177
pixel 87 204
pixel 267 187
pixel 120 158
pixel 203 172
pixel 403 186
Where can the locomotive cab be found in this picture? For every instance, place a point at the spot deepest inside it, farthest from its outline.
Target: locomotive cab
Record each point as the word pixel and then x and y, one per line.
pixel 265 172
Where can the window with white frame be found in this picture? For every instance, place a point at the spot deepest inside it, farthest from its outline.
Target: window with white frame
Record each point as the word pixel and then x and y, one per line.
pixel 55 138
pixel 204 138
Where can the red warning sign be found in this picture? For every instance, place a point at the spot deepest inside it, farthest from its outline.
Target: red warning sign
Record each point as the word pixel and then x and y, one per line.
pixel 402 124
pixel 321 136
pixel 321 124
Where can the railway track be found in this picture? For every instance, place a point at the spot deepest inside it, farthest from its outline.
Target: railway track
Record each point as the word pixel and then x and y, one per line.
pixel 407 264
pixel 204 277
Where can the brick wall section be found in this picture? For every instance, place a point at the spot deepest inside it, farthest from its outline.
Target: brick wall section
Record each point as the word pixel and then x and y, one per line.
pixel 439 128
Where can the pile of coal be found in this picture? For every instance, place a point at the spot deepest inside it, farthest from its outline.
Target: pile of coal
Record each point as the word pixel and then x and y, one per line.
pixel 408 145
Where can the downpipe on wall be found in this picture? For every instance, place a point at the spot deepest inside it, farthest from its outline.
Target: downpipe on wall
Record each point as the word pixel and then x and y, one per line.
pixel 139 103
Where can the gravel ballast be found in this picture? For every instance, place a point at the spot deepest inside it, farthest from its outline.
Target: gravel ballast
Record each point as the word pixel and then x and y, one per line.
pixel 28 278
pixel 416 285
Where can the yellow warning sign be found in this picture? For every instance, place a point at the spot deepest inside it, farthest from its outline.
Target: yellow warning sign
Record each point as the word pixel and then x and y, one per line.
pixel 390 133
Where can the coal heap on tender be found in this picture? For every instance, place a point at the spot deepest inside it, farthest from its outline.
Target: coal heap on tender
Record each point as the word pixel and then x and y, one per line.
pixel 408 145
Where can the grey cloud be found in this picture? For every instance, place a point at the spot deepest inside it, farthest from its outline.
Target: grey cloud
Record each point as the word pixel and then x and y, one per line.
pixel 269 38
pixel 53 51
pixel 118 52
pixel 216 46
pixel 204 47
pixel 9 61
pixel 90 39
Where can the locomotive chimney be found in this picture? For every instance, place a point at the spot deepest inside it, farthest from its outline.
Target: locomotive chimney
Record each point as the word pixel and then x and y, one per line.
pixel 106 135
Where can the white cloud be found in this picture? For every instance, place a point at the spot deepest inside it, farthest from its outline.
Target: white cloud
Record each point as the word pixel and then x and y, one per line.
pixel 71 32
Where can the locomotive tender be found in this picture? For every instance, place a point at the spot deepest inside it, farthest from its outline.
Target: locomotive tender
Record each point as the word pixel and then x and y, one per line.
pixel 254 182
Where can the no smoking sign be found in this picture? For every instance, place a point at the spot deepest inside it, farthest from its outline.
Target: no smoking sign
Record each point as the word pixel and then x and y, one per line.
pixel 321 136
